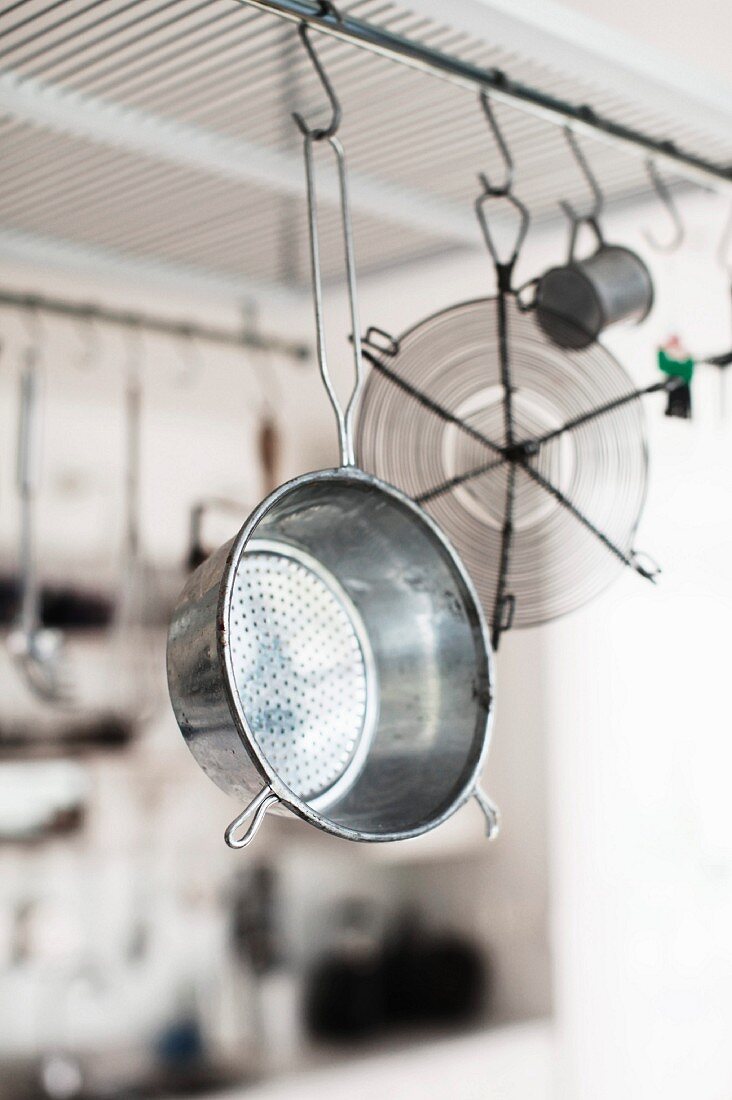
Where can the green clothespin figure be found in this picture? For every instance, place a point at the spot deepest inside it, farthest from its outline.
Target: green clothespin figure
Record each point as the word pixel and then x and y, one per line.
pixel 676 362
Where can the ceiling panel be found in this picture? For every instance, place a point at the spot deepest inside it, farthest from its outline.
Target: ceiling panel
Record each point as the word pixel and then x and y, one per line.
pixel 84 79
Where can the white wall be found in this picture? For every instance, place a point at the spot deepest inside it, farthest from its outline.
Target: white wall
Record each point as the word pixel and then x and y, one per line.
pixel 631 705
pixel 642 852
pixel 690 34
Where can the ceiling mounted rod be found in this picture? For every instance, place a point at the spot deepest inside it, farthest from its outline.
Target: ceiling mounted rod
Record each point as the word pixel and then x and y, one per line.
pixel 581 117
pixel 145 322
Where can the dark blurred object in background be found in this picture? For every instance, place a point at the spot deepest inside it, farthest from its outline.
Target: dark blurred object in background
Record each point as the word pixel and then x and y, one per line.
pixel 345 993
pixel 431 978
pixel 254 928
pixel 415 979
pixel 61 606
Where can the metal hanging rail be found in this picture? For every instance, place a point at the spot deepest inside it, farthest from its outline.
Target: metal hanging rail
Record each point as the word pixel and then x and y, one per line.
pixel 325 17
pixel 246 338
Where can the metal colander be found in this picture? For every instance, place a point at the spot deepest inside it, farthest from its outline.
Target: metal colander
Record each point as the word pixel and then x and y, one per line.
pixel 332 660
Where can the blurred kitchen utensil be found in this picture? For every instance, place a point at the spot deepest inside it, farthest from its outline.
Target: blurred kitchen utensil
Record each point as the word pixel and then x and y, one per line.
pixel 198 550
pixel 332 660
pixel 269 452
pixel 132 643
pixel 37 650
pixel 108 643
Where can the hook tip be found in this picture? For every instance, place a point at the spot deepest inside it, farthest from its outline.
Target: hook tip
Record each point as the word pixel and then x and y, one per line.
pixel 300 123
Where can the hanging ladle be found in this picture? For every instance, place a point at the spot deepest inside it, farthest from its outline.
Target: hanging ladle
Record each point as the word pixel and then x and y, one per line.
pixel 37 650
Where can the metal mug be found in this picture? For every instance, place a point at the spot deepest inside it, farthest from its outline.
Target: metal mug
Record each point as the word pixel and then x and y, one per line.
pixel 580 299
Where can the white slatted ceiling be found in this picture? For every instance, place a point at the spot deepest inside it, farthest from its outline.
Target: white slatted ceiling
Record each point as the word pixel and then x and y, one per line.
pixel 222 67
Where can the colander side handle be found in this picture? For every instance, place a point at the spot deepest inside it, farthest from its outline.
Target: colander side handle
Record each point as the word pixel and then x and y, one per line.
pixel 256 811
pixel 490 811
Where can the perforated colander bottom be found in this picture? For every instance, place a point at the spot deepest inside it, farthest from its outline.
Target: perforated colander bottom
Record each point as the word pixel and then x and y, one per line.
pixel 302 668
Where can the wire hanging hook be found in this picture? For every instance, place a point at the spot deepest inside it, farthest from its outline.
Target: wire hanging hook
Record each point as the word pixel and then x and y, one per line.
pixel 523 229
pixel 598 199
pixel 90 342
pixel 191 359
pixel 725 241
pixel 133 411
pixel 323 132
pixel 505 191
pixel 665 197
pixel 34 329
pixel 507 185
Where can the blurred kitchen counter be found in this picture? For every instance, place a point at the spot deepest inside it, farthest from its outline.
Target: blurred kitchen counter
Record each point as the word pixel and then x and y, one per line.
pixel 507 1063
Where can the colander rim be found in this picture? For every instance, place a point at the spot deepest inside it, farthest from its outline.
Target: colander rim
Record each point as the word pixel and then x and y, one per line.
pixel 270 778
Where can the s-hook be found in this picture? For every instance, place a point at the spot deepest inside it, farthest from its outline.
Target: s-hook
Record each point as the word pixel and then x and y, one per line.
pixel 329 131
pixel 504 268
pixel 723 249
pixel 725 262
pixel 506 186
pixel 666 199
pixel 37 649
pixel 598 199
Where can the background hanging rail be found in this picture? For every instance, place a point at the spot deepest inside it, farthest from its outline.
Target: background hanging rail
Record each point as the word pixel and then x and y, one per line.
pixel 559 111
pixel 247 337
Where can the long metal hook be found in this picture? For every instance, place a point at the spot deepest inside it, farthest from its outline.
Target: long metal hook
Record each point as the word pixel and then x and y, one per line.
pixel 665 197
pixel 34 328
pixel 191 358
pixel 89 336
pixel 507 185
pixel 319 133
pixel 523 227
pixel 505 191
pixel 598 198
pixel 133 413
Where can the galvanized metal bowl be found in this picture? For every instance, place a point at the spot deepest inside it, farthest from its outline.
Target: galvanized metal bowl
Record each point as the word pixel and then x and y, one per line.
pixel 333 661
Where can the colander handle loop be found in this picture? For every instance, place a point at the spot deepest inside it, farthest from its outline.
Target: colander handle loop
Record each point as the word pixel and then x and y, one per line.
pixel 256 811
pixel 490 811
pixel 344 414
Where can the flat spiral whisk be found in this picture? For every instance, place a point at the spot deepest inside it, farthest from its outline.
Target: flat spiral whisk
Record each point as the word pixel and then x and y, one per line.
pixel 565 508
